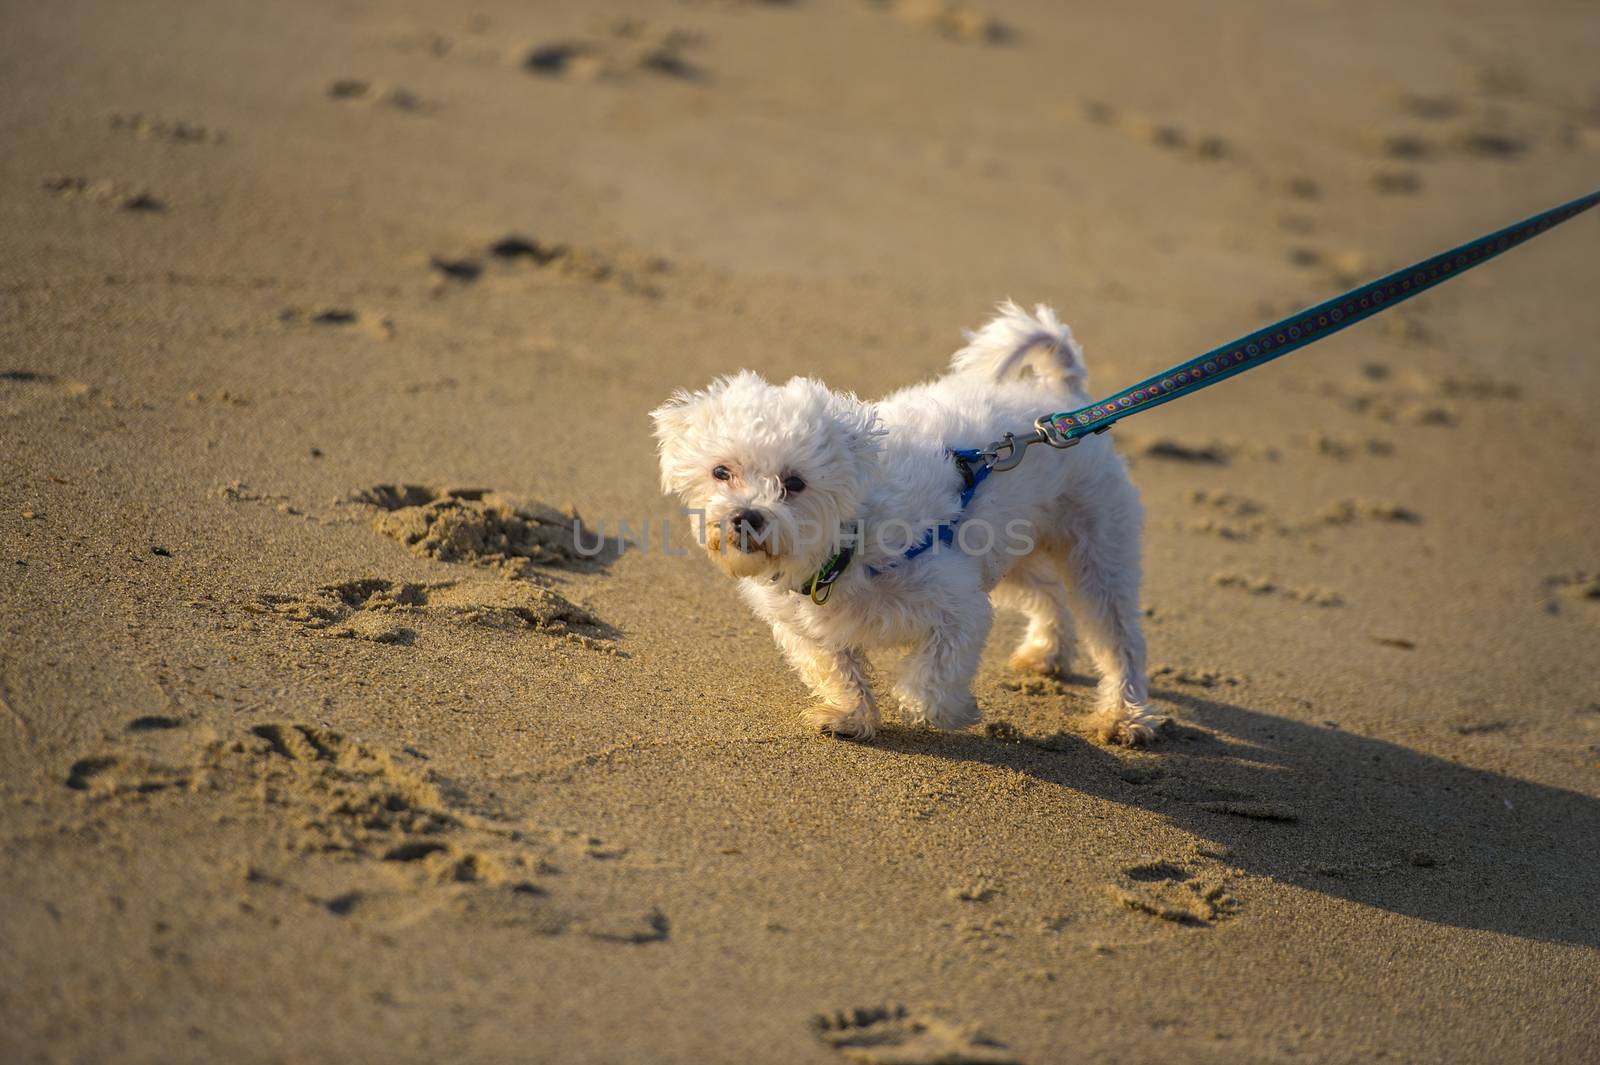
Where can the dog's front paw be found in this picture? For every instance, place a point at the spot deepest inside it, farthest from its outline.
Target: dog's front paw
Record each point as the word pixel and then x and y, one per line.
pixel 858 723
pixel 957 712
pixel 1041 659
pixel 1130 726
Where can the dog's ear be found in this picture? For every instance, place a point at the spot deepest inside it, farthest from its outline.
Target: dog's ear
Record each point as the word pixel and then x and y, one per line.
pixel 859 420
pixel 855 421
pixel 688 420
pixel 672 416
pixel 672 422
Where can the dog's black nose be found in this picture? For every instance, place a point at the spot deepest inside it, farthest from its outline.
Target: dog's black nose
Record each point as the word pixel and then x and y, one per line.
pixel 749 521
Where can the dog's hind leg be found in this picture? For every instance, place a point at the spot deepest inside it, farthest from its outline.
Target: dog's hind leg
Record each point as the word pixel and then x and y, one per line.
pixel 838 678
pixel 1101 560
pixel 1034 586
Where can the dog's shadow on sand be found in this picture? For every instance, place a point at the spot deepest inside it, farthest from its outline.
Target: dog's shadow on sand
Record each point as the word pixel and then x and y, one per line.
pixel 1333 812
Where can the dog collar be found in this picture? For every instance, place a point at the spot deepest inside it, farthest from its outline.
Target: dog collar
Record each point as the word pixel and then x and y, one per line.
pixel 970 463
pixel 820 585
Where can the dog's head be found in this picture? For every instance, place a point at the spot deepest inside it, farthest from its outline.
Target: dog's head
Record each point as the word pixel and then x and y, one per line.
pixel 776 469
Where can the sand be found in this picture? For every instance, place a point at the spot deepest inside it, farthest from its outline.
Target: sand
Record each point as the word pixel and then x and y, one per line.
pixel 320 739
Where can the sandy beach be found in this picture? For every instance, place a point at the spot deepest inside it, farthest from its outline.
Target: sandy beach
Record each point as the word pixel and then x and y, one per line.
pixel 322 739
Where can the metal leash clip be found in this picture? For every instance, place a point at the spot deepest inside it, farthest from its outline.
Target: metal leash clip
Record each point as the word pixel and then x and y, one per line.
pixel 1008 452
pixel 1046 426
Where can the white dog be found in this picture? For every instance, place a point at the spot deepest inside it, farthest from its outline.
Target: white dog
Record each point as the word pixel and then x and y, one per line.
pixel 797 481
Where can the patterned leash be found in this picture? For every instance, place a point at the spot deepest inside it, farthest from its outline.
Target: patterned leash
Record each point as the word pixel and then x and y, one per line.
pixel 1280 338
pixel 1292 333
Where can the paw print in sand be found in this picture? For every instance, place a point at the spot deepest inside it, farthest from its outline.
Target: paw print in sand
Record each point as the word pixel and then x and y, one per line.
pixel 892 1035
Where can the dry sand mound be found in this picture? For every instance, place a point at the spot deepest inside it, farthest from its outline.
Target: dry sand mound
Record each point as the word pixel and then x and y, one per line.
pixel 481 527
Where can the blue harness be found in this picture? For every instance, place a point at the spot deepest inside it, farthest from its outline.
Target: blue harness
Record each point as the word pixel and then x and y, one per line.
pixel 974 470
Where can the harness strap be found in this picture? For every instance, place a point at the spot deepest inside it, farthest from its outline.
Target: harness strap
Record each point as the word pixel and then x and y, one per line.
pixel 973 473
pixel 969 461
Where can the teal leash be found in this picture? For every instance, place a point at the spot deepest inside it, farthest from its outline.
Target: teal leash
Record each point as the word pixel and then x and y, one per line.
pixel 1278 339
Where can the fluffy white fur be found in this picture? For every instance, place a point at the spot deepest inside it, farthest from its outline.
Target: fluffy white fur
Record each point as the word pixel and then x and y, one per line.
pixel 1057 537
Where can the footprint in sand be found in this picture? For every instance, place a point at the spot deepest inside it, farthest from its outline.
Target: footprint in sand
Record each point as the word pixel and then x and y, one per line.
pixel 1392 182
pixel 978 889
pixel 1343 269
pixel 893 1035
pixel 515 255
pixel 379 842
pixel 1351 511
pixel 1480 142
pixel 1393 404
pixel 582 62
pixel 1480 728
pixel 369 609
pixel 1417 398
pixel 1231 516
pixel 1195 677
pixel 105 191
pixel 1174 892
pixel 241 492
pixel 1581 589
pixel 357 90
pixel 1234 517
pixel 1470 386
pixel 154 723
pixel 110 774
pixel 21 390
pixel 373 325
pixel 172 131
pixel 1404 325
pixel 519 540
pixel 1303 188
pixel 1449 126
pixel 1213 452
pixel 1406 147
pixel 222 397
pixel 1491 143
pixel 631 48
pixel 1344 448
pixel 1266 586
pixel 383 611
pixel 1171 137
pixel 951 20
pixel 463 271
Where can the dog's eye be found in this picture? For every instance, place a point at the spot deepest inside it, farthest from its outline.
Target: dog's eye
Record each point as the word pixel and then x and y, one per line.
pixel 721 473
pixel 793 485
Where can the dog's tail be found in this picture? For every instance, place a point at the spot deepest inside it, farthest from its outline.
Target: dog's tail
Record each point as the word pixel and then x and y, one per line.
pixel 1014 340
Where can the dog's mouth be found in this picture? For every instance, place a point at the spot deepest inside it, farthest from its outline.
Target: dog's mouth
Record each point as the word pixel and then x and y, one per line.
pixel 724 539
pixel 738 552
